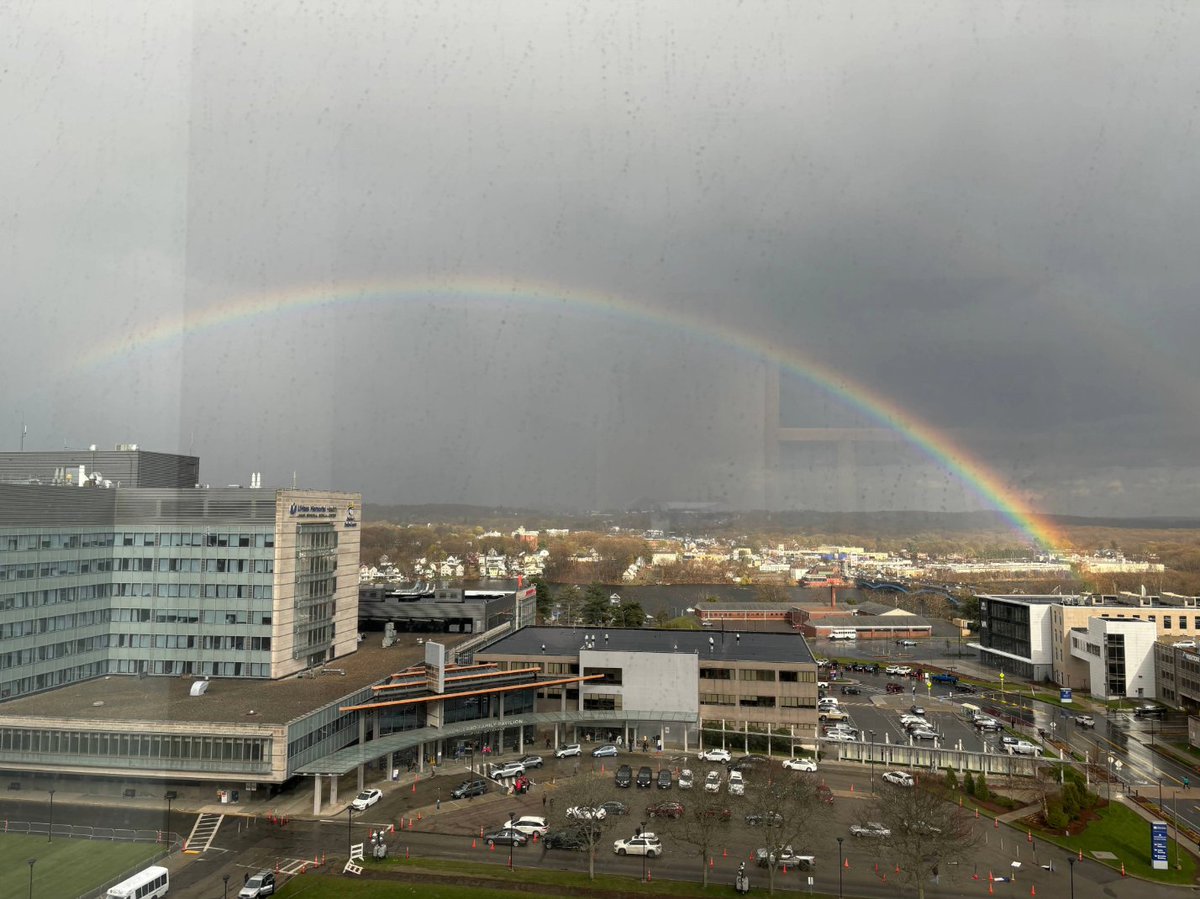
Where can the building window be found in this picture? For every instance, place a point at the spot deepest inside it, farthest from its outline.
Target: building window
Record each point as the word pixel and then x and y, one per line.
pixel 611 675
pixel 757 674
pixel 760 702
pixel 789 677
pixel 1166 622
pixel 716 673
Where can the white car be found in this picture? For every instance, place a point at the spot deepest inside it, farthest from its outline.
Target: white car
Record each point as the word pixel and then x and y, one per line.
pixel 737 786
pixel 827 700
pixel 838 736
pixel 922 733
pixel 1088 720
pixel 569 749
pixel 903 670
pixel 899 778
pixel 366 799
pixel 712 782
pixel 509 769
pixel 686 779
pixel 800 764
pixel 870 829
pixel 529 825
pixel 586 813
pixel 715 755
pixel 647 844
pixel 892 669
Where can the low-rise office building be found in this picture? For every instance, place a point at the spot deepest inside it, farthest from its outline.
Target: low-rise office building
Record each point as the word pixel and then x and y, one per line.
pixel 664 685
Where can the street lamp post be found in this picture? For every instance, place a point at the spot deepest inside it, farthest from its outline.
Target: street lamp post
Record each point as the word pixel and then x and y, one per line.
pixel 871 756
pixel 512 839
pixel 31 861
pixel 50 834
pixel 1071 859
pixel 1175 821
pixel 170 797
pixel 349 828
pixel 642 829
pixel 225 880
pixel 839 839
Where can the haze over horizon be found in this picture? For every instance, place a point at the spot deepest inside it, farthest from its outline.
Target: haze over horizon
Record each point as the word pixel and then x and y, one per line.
pixel 554 255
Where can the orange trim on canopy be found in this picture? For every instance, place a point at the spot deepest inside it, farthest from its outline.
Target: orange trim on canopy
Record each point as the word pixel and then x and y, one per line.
pixel 415 700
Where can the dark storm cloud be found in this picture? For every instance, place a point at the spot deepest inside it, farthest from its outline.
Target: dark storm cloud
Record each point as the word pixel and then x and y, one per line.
pixel 983 213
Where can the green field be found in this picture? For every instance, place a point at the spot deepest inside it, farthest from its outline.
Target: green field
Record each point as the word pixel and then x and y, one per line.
pixel 66 868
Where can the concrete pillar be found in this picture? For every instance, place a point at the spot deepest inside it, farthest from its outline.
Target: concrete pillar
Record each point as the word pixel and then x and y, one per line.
pixel 362 777
pixel 333 785
pixel 391 764
pixel 362 739
pixel 421 758
pixel 685 738
pixel 521 740
pixel 316 794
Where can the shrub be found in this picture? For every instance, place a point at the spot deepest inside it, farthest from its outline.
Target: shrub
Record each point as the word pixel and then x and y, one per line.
pixel 1070 800
pixel 981 788
pixel 1056 817
pixel 951 778
pixel 969 784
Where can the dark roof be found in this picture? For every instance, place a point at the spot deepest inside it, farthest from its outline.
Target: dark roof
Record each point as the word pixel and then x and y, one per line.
pixel 228 700
pixel 728 645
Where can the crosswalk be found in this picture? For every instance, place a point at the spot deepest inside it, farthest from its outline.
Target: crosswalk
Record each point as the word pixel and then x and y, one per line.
pixel 204 831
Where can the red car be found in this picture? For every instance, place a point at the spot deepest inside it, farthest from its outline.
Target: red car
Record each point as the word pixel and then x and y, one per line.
pixel 824 793
pixel 665 810
pixel 895 688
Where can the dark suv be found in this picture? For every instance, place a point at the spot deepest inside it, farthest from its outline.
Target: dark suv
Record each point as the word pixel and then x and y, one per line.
pixel 624 776
pixel 664 779
pixel 645 776
pixel 469 788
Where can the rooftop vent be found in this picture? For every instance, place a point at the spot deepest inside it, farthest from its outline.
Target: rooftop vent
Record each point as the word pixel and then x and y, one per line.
pixel 199 688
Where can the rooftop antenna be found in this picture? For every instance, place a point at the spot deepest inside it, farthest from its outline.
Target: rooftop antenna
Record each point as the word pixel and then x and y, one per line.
pixel 293 480
pixel 24 431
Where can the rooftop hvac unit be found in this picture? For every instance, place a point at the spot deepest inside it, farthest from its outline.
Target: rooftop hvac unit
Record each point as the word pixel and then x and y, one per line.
pixel 199 688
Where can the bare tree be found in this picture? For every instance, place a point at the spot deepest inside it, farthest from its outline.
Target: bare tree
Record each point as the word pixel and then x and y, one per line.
pixel 585 792
pixel 704 823
pixel 927 830
pixel 788 813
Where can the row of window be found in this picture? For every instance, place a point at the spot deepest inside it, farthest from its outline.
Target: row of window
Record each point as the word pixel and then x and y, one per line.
pixel 191 616
pixel 47 679
pixel 32 626
pixel 190 566
pixel 27 542
pixel 30 599
pixel 768 675
pixel 127 745
pixel 31 654
pixel 770 702
pixel 181 667
pixel 195 591
pixel 190 641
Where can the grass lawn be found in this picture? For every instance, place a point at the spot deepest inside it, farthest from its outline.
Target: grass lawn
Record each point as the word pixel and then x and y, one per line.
pixel 1126 835
pixel 67 867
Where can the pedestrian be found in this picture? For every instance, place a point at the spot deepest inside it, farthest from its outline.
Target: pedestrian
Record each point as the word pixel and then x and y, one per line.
pixel 439 803
pixel 543 803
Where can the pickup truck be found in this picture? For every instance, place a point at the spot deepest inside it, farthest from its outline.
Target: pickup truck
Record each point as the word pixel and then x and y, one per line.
pixel 947 679
pixel 1085 720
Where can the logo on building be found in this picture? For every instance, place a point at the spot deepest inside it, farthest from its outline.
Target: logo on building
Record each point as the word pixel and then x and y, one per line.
pixel 351 518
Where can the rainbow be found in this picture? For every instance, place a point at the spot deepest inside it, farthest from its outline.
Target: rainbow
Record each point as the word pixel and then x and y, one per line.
pixel 938 446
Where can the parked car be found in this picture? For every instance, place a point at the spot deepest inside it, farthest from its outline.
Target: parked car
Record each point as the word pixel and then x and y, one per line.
pixel 531 761
pixel 850 690
pixel 685 779
pixel 831 715
pixel 646 844
pixel 506 836
pixel 614 807
pixel 899 778
pixel 624 776
pixel 870 829
pixel 894 688
pixel 586 813
pixel 963 687
pixel 645 777
pixel 1150 711
pixel 573 839
pixel 983 722
pixel 838 736
pixel 737 785
pixel 757 819
pixel 608 750
pixel 800 764
pixel 529 825
pixel 509 769
pixel 923 733
pixel 917 710
pixel 784 857
pixel 469 788
pixel 825 794
pixel 712 782
pixel 715 755
pixel 366 799
pixel 1023 747
pixel 664 778
pixel 906 642
pixel 570 749
pixel 668 809
pixel 1085 720
pixel 261 884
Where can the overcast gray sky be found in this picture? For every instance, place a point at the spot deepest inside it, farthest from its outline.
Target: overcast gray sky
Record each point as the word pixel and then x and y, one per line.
pixel 983 216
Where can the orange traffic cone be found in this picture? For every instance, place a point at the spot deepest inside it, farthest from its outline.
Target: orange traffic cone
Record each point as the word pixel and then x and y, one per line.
pixel 1081 855
pixel 724 853
pixel 648 877
pixel 710 861
pixel 996 823
pixel 414 789
pixel 472 842
pixel 990 890
pixel 1029 836
pixel 1032 890
pixel 897 869
pixel 846 863
pixel 1122 869
pixel 491 846
pixel 977 813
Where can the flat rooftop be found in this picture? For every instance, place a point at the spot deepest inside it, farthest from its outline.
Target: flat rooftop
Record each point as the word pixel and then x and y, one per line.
pixel 228 700
pixel 728 645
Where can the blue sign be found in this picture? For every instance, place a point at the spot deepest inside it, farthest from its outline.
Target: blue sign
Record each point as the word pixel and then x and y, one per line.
pixel 1064 694
pixel 1158 844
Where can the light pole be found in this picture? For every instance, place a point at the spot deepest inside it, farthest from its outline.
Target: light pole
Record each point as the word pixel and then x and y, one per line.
pixel 1175 821
pixel 839 839
pixel 642 829
pixel 50 835
pixel 512 836
pixel 31 861
pixel 1071 859
pixel 871 756
pixel 349 828
pixel 225 880
pixel 170 797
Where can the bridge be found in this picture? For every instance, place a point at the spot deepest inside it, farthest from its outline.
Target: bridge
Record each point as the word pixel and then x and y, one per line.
pixel 912 589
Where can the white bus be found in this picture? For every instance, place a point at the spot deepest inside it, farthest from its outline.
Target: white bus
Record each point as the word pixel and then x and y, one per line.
pixel 148 884
pixel 971 711
pixel 843 633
